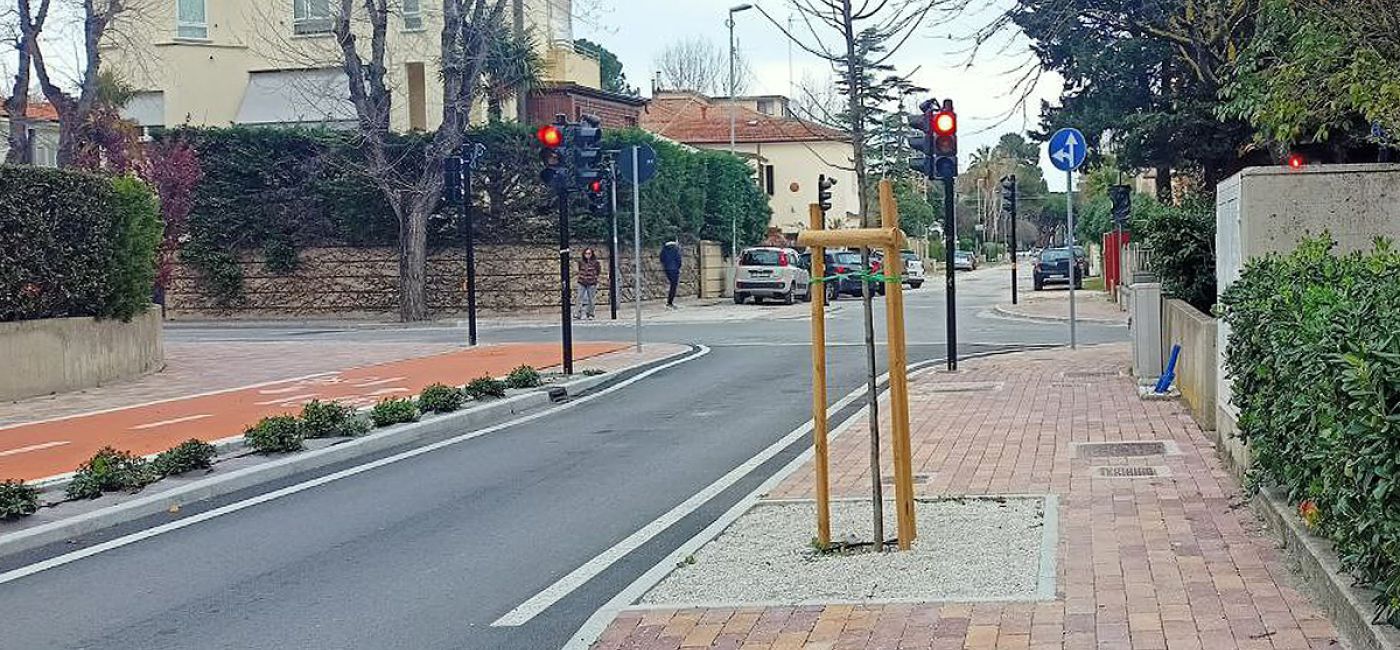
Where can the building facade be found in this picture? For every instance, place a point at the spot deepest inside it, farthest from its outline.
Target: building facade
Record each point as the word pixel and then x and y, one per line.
pixel 42 122
pixel 788 155
pixel 276 62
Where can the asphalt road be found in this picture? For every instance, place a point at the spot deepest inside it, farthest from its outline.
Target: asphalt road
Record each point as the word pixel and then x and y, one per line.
pixel 425 553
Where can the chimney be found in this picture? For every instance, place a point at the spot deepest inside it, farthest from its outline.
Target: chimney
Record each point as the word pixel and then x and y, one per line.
pixel 656 83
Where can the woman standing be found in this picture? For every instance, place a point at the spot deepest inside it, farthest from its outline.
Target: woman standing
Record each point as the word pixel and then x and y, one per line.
pixel 589 269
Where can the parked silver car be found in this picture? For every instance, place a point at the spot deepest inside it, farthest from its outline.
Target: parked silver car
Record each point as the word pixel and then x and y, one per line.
pixel 771 273
pixel 964 261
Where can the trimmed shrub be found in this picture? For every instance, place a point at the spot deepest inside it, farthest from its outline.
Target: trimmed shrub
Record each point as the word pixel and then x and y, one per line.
pixel 187 456
pixel 110 470
pixel 1314 355
pixel 331 420
pixel 524 377
pixel 276 434
pixel 484 388
pixel 74 244
pixel 439 398
pixel 393 411
pixel 17 500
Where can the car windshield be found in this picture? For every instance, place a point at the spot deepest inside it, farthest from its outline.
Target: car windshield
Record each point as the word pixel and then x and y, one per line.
pixel 962 255
pixel 909 256
pixel 1054 255
pixel 847 258
pixel 760 257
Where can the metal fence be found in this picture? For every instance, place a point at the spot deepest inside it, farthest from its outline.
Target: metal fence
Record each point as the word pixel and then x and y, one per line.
pixel 1136 264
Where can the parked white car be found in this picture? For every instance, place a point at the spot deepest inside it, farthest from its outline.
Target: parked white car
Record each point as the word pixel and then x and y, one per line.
pixel 913 269
pixel 771 273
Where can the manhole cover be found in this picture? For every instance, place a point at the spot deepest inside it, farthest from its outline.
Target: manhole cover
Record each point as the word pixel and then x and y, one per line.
pixel 1127 449
pixel 919 479
pixel 1130 471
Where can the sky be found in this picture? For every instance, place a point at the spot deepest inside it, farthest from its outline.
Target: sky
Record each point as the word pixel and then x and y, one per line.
pixel 938 56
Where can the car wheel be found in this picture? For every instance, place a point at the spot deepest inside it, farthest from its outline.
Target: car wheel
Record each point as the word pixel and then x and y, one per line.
pixel 833 292
pixel 738 298
pixel 807 297
pixel 789 298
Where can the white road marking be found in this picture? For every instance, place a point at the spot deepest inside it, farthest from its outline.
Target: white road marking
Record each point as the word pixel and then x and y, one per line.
pixel 388 391
pixel 575 579
pixel 162 423
pixel 21 450
pixel 68 558
pixel 284 400
pixel 380 382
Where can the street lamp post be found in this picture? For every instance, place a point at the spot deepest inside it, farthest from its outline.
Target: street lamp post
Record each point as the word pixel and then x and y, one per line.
pixel 733 120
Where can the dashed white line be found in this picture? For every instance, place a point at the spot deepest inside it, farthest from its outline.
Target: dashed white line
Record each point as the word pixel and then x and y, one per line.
pixel 284 400
pixel 380 382
pixel 163 423
pixel 39 447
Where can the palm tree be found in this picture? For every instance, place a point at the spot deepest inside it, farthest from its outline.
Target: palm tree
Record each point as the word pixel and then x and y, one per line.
pixel 513 66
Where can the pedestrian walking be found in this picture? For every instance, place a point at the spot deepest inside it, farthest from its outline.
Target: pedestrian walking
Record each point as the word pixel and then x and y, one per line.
pixel 671 262
pixel 589 269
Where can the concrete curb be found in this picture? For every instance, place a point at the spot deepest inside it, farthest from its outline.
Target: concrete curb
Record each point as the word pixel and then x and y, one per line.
pixel 426 431
pixel 1350 607
pixel 1007 313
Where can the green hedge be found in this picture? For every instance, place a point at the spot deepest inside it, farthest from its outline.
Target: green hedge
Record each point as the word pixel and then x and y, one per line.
pixel 75 244
pixel 1314 353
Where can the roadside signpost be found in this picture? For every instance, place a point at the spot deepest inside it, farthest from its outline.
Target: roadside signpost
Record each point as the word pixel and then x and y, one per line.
pixel 1068 149
pixel 638 165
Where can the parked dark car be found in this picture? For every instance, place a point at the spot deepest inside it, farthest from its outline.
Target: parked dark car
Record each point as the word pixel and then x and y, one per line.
pixel 841 262
pixel 1053 265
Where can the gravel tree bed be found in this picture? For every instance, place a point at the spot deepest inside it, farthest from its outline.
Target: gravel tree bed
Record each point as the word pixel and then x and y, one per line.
pixel 970 549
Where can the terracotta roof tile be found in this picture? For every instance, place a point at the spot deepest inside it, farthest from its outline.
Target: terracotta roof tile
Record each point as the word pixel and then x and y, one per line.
pixel 36 111
pixel 695 119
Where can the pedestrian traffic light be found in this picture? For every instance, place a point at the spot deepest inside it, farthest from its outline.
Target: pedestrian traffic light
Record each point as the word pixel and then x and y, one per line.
pixel 945 141
pixel 551 137
pixel 598 197
pixel 921 139
pixel 1008 196
pixel 452 193
pixel 1296 160
pixel 1121 196
pixel 586 145
pixel 824 185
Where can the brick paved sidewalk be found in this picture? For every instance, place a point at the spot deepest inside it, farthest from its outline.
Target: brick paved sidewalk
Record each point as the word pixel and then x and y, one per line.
pixel 1053 304
pixel 1174 562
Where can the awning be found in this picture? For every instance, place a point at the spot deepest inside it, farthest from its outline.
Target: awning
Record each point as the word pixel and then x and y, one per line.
pixel 320 97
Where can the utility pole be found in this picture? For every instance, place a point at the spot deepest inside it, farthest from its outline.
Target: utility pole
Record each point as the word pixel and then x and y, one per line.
pixel 734 120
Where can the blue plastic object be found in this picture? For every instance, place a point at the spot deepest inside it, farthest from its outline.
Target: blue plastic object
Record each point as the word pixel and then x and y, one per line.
pixel 1165 382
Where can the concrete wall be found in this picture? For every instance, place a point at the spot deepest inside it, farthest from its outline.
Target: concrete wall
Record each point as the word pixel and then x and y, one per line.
pixel 712 270
pixel 63 354
pixel 348 282
pixel 1183 325
pixel 1264 210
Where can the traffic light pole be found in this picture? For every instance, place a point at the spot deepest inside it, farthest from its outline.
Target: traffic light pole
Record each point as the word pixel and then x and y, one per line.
pixel 949 244
pixel 566 283
pixel 612 243
pixel 471 253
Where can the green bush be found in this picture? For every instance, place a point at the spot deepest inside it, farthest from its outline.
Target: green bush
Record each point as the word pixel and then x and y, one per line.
pixel 17 500
pixel 1182 239
pixel 393 411
pixel 439 398
pixel 110 470
pixel 484 388
pixel 276 434
pixel 74 244
pixel 524 377
pixel 1314 355
pixel 331 420
pixel 184 457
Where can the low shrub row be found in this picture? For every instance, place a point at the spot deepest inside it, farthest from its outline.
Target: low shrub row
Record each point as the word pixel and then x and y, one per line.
pixel 1314 356
pixel 110 470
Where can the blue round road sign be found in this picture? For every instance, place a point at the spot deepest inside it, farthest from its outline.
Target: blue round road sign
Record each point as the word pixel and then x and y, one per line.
pixel 1068 149
pixel 645 156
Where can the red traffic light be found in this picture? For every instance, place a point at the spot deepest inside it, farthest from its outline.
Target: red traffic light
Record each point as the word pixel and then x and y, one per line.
pixel 1296 161
pixel 550 136
pixel 596 187
pixel 945 123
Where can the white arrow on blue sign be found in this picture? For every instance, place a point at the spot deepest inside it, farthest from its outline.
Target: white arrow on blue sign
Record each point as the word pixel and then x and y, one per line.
pixel 1068 148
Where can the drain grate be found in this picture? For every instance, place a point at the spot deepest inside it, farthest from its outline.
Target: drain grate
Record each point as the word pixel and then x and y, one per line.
pixel 1126 449
pixel 1130 471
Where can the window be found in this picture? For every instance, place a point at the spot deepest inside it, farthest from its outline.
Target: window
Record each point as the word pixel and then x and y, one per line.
pixel 768 179
pixel 412 15
pixel 190 20
pixel 312 17
pixel 765 106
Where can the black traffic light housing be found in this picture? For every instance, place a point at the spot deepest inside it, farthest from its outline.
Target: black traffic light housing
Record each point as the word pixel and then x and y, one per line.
pixel 452 186
pixel 597 191
pixel 1008 196
pixel 1121 196
pixel 551 139
pixel 586 142
pixel 824 185
pixel 945 141
pixel 921 139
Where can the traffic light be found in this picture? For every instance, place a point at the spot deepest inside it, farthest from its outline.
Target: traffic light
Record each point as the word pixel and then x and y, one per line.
pixel 1296 160
pixel 586 145
pixel 921 139
pixel 945 141
pixel 598 197
pixel 551 137
pixel 1121 196
pixel 824 185
pixel 452 192
pixel 1008 196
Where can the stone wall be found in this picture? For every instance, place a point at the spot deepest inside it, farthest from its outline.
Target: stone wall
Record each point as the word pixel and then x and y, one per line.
pixel 1183 325
pixel 344 282
pixel 56 355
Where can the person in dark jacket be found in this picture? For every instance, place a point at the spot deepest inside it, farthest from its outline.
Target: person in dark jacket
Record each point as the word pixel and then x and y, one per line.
pixel 671 262
pixel 589 270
